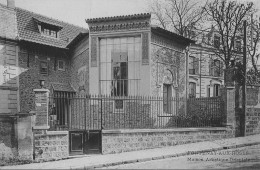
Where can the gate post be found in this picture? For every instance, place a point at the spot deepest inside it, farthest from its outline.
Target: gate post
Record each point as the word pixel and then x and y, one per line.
pixel 41 108
pixel 228 96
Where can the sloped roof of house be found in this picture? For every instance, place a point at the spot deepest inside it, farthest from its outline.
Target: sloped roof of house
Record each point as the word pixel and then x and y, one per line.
pixel 28 29
pixel 171 35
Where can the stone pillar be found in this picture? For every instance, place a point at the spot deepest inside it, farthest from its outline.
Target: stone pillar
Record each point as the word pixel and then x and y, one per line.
pixel 25 135
pixel 41 109
pixel 228 96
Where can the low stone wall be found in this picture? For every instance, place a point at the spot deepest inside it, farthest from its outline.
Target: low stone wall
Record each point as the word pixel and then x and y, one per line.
pixel 8 141
pixel 116 141
pixel 252 121
pixel 52 145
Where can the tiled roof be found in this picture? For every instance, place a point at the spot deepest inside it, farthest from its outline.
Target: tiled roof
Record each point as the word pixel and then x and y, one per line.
pixel 123 17
pixel 28 29
pixel 172 35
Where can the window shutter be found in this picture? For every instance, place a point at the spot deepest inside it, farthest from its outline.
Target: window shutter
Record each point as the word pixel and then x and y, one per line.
pixel 196 65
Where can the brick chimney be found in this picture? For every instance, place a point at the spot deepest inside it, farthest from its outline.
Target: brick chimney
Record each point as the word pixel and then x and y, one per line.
pixel 11 3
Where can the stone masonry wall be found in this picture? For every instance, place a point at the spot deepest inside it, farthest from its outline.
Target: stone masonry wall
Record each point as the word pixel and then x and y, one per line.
pixel 8 142
pixel 252 121
pixel 124 141
pixel 51 146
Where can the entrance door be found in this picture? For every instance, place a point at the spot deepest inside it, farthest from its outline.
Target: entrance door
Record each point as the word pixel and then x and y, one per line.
pixel 92 142
pixel 85 142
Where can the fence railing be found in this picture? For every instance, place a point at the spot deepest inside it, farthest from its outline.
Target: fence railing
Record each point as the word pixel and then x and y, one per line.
pixel 134 112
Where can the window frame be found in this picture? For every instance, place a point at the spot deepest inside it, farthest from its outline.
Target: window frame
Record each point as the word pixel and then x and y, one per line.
pixel 129 45
pixel 192 84
pixel 238 48
pixel 167 98
pixel 216 92
pixel 47 31
pixel 216 41
pixel 41 69
pixel 64 67
pixel 193 69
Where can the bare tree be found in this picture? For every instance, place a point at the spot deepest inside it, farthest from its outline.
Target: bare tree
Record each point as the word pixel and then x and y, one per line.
pixel 179 16
pixel 227 19
pixel 252 50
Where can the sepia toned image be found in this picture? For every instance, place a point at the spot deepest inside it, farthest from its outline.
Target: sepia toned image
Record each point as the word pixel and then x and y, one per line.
pixel 129 84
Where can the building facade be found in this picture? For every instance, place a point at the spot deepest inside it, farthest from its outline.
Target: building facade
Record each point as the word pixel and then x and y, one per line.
pixel 206 68
pixel 131 57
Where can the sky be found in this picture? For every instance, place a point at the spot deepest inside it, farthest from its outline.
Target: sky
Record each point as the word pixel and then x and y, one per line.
pixel 76 11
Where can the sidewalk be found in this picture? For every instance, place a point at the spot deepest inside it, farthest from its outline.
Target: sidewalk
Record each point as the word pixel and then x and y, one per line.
pixel 98 161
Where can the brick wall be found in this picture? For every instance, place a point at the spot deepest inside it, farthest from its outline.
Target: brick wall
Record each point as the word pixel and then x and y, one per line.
pixel 252 121
pixel 132 140
pixel 29 78
pixel 51 146
pixel 8 142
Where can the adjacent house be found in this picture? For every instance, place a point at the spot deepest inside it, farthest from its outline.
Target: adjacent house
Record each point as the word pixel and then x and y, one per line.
pixel 206 69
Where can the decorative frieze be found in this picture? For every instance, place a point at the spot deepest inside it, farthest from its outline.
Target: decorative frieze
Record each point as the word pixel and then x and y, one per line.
pixel 120 26
pixel 145 49
pixel 94 41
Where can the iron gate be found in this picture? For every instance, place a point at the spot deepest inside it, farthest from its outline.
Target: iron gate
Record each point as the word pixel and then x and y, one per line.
pixel 81 117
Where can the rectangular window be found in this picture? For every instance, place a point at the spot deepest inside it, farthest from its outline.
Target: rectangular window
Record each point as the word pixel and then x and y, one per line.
pixel 238 46
pixel 192 90
pixel 191 65
pixel 49 32
pixel 120 65
pixel 215 68
pixel 44 67
pixel 208 91
pixel 216 41
pixel 216 90
pixel 167 94
pixel 61 65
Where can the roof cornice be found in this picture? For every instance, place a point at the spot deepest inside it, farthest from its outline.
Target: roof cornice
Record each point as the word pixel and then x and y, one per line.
pixel 118 18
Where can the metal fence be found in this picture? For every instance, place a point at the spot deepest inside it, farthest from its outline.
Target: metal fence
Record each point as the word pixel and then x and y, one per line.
pixel 134 112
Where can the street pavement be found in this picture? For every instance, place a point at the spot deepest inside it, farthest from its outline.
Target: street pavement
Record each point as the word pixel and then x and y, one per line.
pixel 99 161
pixel 236 158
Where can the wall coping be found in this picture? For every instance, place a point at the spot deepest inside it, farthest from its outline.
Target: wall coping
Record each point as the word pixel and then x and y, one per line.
pixel 41 90
pixel 57 132
pixel 50 133
pixel 41 127
pixel 230 87
pixel 256 106
pixel 164 130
